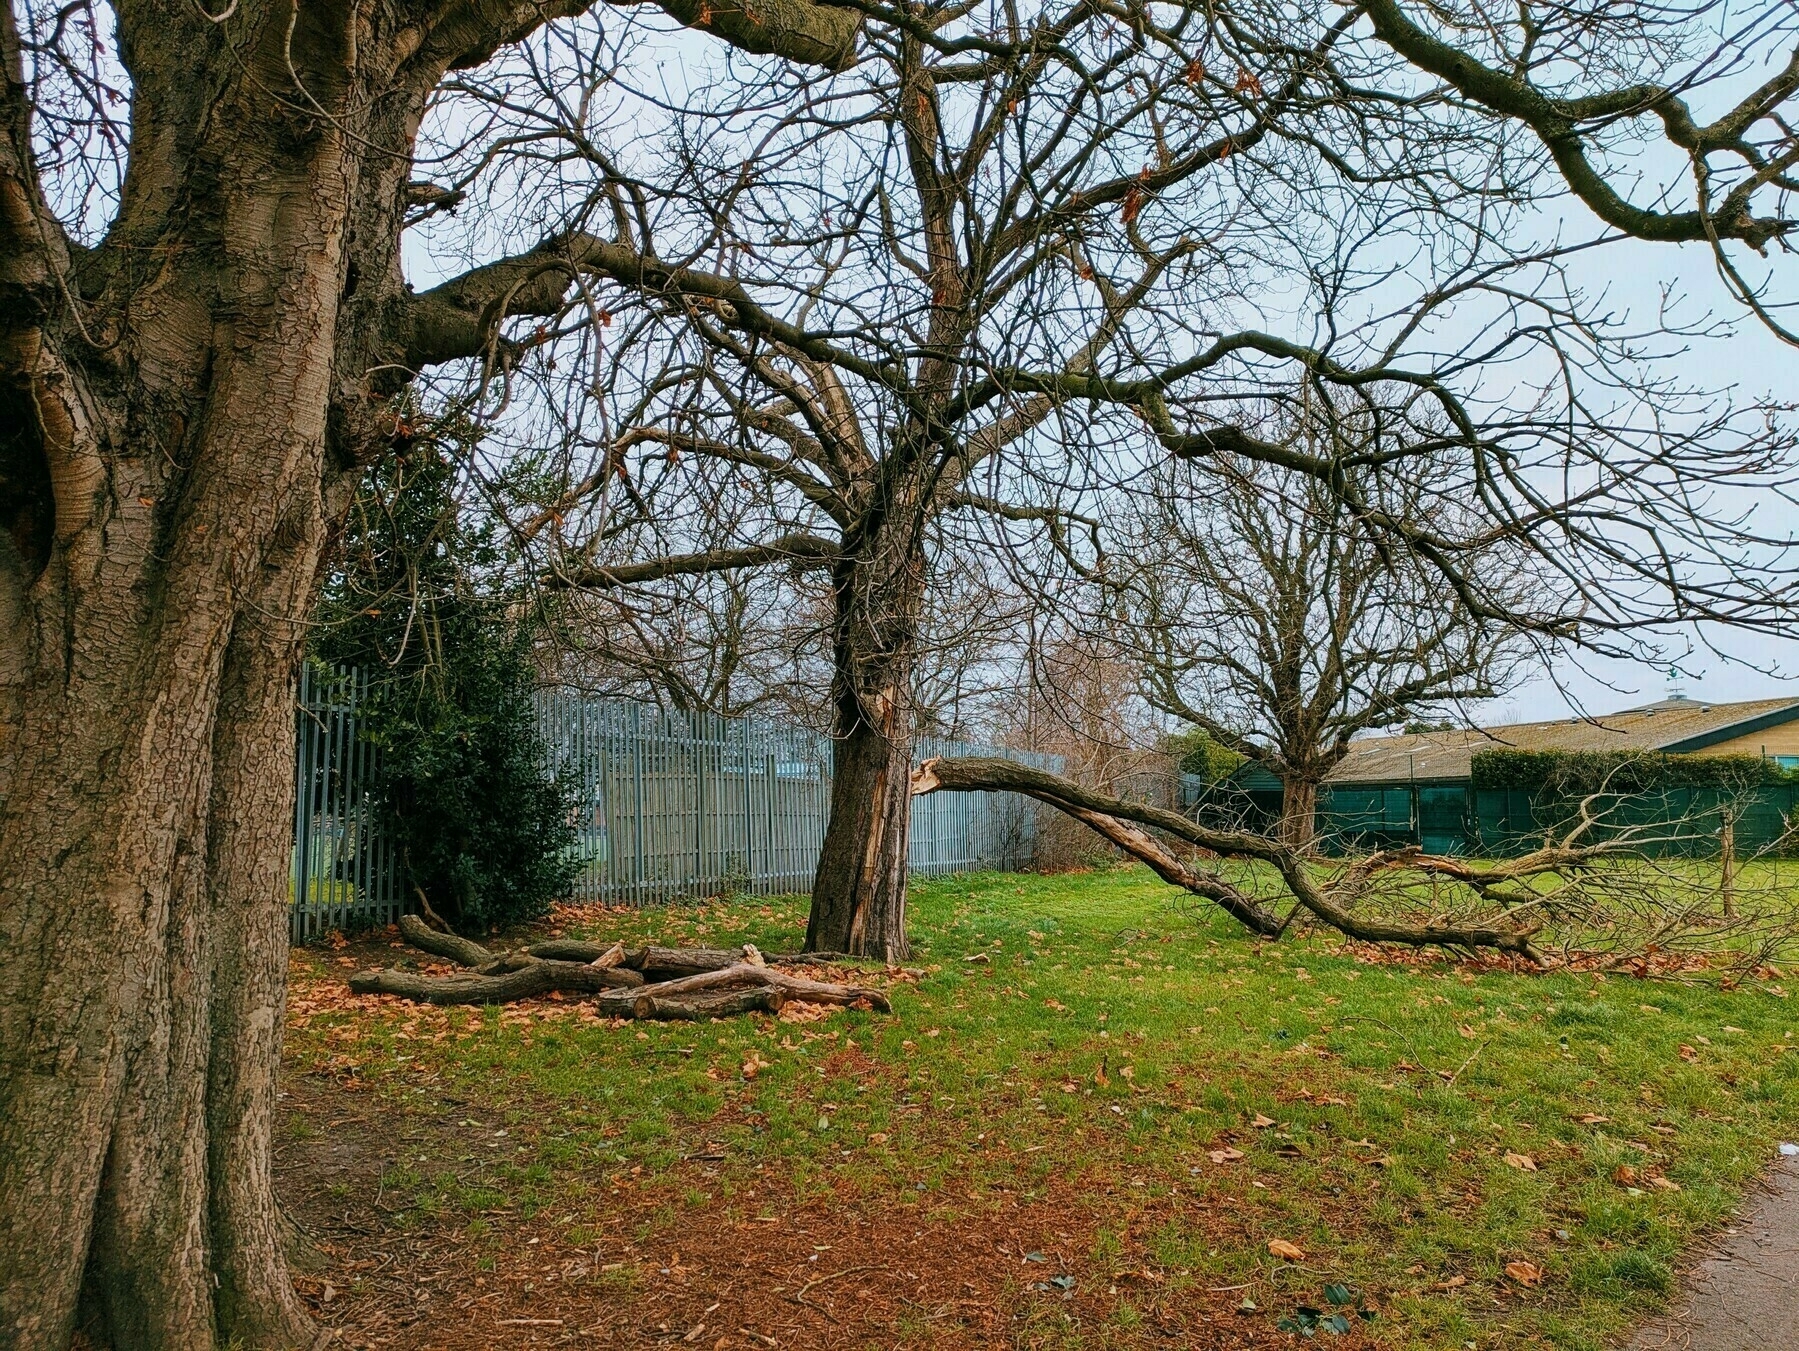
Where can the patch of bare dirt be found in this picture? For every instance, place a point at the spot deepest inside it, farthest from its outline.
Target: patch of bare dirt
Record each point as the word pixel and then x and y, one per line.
pixel 932 1268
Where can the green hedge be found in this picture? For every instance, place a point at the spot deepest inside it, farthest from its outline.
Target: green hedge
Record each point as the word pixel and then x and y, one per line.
pixel 1567 774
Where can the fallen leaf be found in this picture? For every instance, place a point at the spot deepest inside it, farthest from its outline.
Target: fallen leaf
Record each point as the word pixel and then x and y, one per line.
pixel 1290 1252
pixel 1687 1052
pixel 1261 1122
pixel 1525 1273
pixel 1467 1032
pixel 1592 1119
pixel 1453 1283
pixel 1624 1175
pixel 1225 1155
pixel 1523 1161
pixel 1664 1184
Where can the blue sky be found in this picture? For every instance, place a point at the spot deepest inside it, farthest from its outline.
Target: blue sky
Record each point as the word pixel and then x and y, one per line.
pixel 1753 365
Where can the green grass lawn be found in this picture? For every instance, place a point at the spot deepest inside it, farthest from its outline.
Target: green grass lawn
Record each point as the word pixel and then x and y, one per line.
pixel 1110 1054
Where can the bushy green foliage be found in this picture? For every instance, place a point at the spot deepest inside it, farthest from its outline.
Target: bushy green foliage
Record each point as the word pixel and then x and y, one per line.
pixel 413 603
pixel 1577 773
pixel 1199 754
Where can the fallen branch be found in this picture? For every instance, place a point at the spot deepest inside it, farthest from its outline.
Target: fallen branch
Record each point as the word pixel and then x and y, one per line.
pixel 666 963
pixel 1108 815
pixel 646 982
pixel 741 975
pixel 528 980
pixel 441 943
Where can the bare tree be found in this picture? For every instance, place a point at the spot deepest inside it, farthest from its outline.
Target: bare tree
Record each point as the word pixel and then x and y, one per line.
pixel 863 301
pixel 1082 199
pixel 1261 610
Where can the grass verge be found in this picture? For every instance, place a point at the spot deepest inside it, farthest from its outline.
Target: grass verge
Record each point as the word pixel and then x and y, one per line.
pixel 1083 1126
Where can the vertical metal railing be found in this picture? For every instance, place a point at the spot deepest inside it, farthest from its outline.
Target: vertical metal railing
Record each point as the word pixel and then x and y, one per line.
pixel 664 805
pixel 715 804
pixel 345 870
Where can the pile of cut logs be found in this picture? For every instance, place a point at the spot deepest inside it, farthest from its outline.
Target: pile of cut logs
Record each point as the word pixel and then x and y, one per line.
pixel 646 982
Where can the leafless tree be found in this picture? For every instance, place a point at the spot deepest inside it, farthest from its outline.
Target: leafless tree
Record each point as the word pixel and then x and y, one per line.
pixel 864 301
pixel 995 229
pixel 1258 608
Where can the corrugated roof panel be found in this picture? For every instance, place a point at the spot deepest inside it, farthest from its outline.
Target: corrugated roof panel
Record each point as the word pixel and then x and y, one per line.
pixel 1653 727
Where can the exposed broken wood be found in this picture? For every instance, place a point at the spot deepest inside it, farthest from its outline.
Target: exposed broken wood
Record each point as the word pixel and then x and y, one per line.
pixel 646 982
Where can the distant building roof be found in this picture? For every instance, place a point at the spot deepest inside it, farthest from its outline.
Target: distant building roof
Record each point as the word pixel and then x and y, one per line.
pixel 1674 726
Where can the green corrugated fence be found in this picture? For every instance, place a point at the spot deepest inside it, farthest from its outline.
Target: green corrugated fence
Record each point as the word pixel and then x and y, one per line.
pixel 1456 818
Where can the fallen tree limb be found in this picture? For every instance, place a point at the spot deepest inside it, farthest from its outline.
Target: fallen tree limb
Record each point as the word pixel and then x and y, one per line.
pixel 522 982
pixel 646 982
pixel 667 963
pixel 745 974
pixel 1108 815
pixel 451 947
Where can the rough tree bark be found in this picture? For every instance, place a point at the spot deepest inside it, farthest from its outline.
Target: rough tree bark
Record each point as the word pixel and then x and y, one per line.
pixel 859 890
pixel 1299 812
pixel 182 410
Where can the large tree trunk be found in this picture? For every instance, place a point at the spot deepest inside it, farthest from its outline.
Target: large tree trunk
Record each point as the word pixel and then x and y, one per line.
pixel 859 891
pixel 183 409
pixel 1299 813
pixel 170 491
pixel 146 833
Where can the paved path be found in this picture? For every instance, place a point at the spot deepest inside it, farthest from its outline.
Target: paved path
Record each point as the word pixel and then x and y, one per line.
pixel 1745 1295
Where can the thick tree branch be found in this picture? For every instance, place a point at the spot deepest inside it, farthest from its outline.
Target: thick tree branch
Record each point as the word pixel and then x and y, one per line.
pixel 975 774
pixel 460 318
pixel 799 30
pixel 797 550
pixel 1557 124
pixel 812 34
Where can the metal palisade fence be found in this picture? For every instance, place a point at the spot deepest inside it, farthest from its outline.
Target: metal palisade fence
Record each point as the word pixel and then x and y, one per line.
pixel 346 870
pixel 666 805
pixel 683 804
